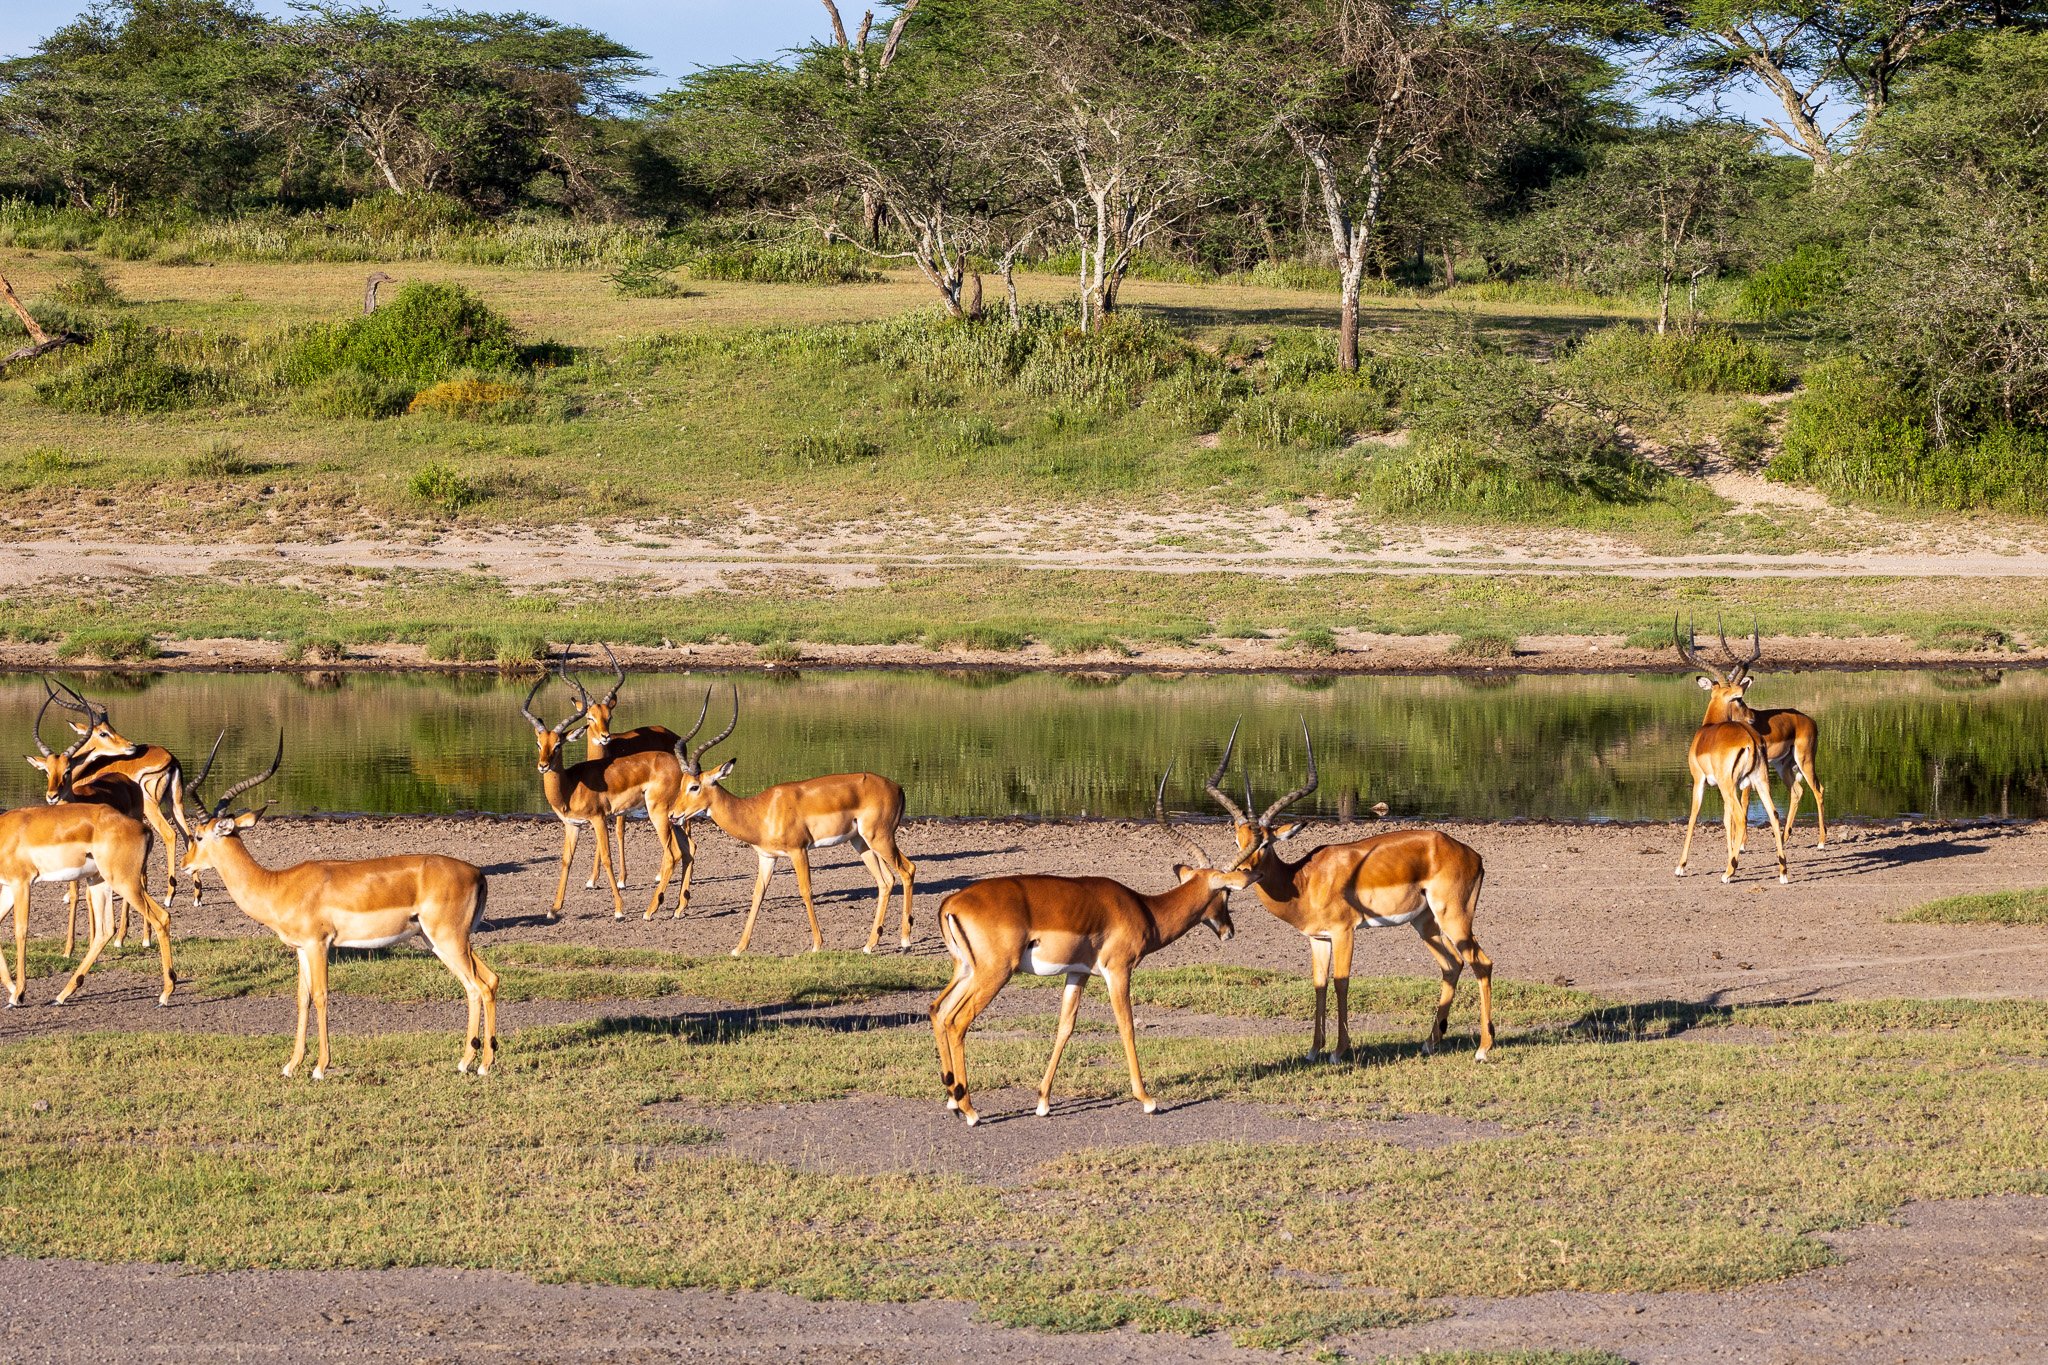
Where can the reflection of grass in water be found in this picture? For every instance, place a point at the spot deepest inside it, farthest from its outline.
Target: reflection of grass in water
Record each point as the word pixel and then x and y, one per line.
pixel 1618 1166
pixel 1997 907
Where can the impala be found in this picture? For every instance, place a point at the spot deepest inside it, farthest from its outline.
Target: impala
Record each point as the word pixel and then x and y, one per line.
pixel 590 792
pixel 112 790
pixel 1727 753
pixel 370 903
pixel 1412 876
pixel 1076 927
pixel 1790 737
pixel 602 741
pixel 67 843
pixel 790 819
pixel 102 753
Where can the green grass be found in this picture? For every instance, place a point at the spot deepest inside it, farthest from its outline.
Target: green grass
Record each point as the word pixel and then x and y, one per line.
pixel 1626 1160
pixel 115 645
pixel 1994 907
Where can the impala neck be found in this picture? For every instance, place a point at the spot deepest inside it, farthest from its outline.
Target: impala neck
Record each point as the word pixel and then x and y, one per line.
pixel 1278 886
pixel 248 882
pixel 739 816
pixel 1723 709
pixel 1176 911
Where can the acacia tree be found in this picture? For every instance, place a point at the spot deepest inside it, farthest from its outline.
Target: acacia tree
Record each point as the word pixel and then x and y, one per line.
pixel 1832 65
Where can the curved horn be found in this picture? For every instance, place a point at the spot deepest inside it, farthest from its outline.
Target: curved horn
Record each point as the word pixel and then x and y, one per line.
pixel 618 674
pixel 249 782
pixel 683 744
pixel 1159 809
pixel 697 758
pixel 1689 650
pixel 193 787
pixel 1303 790
pixel 526 707
pixel 42 747
pixel 78 703
pixel 1222 766
pixel 1738 667
pixel 562 672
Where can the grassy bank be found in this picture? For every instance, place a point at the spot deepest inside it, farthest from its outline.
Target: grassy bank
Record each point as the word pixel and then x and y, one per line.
pixel 475 618
pixel 1623 1160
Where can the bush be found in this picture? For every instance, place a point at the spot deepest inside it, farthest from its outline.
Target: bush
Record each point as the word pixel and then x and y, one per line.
pixel 996 639
pixel 1852 431
pixel 221 459
pixel 830 449
pixel 47 464
pixel 87 286
pixel 423 333
pixel 440 486
pixel 358 393
pixel 1313 640
pixel 129 369
pixel 521 650
pixel 462 647
pixel 471 398
pixel 1492 645
pixel 780 263
pixel 1800 283
pixel 110 646
pixel 315 649
pixel 1626 358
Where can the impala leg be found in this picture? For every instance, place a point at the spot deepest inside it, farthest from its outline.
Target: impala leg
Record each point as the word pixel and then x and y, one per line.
pixel 155 917
pixel 1777 832
pixel 884 884
pixel 604 860
pixel 1340 972
pixel 489 981
pixel 10 893
pixel 154 814
pixel 1699 789
pixel 305 998
pixel 319 992
pixel 1319 973
pixel 562 882
pixel 688 845
pixel 460 963
pixel 1070 1005
pixel 71 920
pixel 100 915
pixel 1119 984
pixel 1734 815
pixel 1482 972
pixel 942 1004
pixel 1449 967
pixel 800 859
pixel 966 1009
pixel 619 843
pixel 765 871
pixel 21 893
pixel 1803 758
pixel 669 857
pixel 884 843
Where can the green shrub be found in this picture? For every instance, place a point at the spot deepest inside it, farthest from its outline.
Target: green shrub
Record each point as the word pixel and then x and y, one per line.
pixel 830 449
pixel 109 646
pixel 358 393
pixel 1626 357
pixel 778 652
pixel 965 434
pixel 780 263
pixel 1799 283
pixel 1313 640
pixel 1490 645
pixel 1746 435
pixel 522 650
pixel 650 274
pixel 222 459
pixel 462 647
pixel 424 332
pixel 314 649
pixel 441 486
pixel 997 639
pixel 1852 431
pixel 1068 642
pixel 46 464
pixel 127 369
pixel 86 286
pixel 1962 637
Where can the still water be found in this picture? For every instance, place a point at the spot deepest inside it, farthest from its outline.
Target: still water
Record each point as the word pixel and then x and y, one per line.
pixel 1572 748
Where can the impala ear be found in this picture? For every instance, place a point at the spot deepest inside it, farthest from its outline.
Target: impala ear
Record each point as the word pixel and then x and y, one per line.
pixel 1747 680
pixel 246 818
pixel 1706 684
pixel 724 770
pixel 1287 831
pixel 78 729
pixel 1183 871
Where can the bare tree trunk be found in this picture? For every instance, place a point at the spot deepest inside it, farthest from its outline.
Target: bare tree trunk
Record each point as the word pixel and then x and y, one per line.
pixel 1663 300
pixel 974 294
pixel 1010 289
pixel 1450 265
pixel 36 334
pixel 1347 315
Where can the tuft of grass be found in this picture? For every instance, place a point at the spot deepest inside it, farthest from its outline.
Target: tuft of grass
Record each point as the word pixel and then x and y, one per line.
pixel 994 639
pixel 1994 907
pixel 222 459
pixel 109 645
pixel 830 449
pixel 358 393
pixel 462 647
pixel 1964 637
pixel 1067 643
pixel 471 398
pixel 440 486
pixel 1487 645
pixel 1313 640
pixel 314 649
pixel 85 285
pixel 521 650
pixel 779 652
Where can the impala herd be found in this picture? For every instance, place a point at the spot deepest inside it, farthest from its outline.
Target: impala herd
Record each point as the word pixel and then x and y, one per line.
pixel 105 802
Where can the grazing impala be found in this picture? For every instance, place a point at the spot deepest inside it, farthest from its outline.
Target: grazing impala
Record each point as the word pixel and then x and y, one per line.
pixel 66 843
pixel 602 741
pixel 588 793
pixel 96 789
pixel 790 819
pixel 1076 927
pixel 1411 876
pixel 1790 737
pixel 371 903
pixel 101 753
pixel 1727 753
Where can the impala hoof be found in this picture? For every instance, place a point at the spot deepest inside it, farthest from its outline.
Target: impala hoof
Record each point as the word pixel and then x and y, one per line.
pixel 973 1119
pixel 483 1071
pixel 1678 872
pixel 163 1001
pixel 1784 880
pixel 119 945
pixel 462 1067
pixel 951 1104
pixel 318 1074
pixel 1480 1055
pixel 590 885
pixel 1151 1106
pixel 1043 1109
pixel 904 944
pixel 1821 843
pixel 287 1072
pixel 55 1004
pixel 1727 877
pixel 735 953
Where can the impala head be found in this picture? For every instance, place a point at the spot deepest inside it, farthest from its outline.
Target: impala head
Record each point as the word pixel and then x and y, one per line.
pixel 96 735
pixel 550 738
pixel 597 712
pixel 1724 684
pixel 697 783
pixel 1219 881
pixel 56 768
pixel 1256 836
pixel 215 825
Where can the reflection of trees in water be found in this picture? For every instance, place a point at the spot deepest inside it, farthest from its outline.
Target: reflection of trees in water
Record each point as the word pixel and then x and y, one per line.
pixel 980 743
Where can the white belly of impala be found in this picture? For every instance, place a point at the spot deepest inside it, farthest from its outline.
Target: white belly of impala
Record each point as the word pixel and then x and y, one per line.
pixel 384 942
pixel 832 842
pixel 1390 921
pixel 88 868
pixel 1038 966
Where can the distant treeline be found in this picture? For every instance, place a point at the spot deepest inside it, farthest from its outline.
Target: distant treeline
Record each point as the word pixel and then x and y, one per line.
pixel 1893 205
